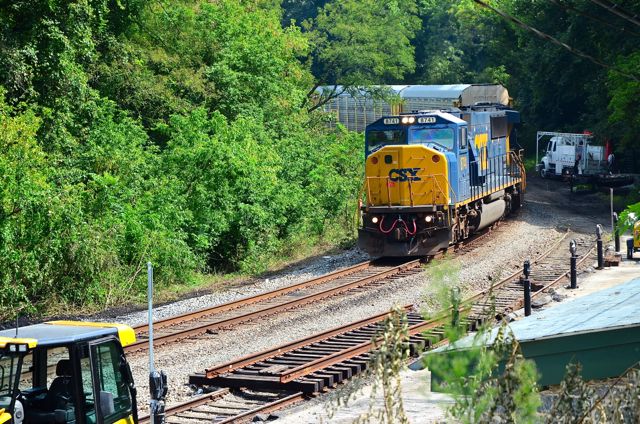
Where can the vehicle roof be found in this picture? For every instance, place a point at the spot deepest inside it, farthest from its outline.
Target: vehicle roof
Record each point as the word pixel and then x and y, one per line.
pixel 58 333
pixel 436 91
pixel 408 91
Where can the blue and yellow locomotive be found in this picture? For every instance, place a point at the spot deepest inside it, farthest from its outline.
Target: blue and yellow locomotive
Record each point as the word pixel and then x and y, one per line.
pixel 433 178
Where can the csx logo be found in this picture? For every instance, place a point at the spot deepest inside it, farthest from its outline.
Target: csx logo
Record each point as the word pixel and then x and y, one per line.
pixel 404 174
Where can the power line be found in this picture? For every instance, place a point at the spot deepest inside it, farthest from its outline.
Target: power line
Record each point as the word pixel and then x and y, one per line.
pixel 555 41
pixel 595 18
pixel 617 10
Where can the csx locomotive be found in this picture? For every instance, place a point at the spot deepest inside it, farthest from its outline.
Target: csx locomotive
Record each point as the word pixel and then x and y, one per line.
pixel 433 178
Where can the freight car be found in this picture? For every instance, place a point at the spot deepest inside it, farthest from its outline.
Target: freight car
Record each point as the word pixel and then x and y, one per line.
pixel 433 178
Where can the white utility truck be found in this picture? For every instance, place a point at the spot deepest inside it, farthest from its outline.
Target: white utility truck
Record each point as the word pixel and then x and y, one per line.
pixel 569 154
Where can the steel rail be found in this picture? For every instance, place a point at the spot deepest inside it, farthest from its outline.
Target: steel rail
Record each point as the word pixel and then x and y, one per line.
pixel 564 275
pixel 253 299
pixel 288 347
pixel 510 278
pixel 264 409
pixel 199 329
pixel 343 355
pixel 189 404
pixel 364 347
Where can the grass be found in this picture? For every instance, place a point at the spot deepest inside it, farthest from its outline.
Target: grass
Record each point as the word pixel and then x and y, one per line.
pixel 622 200
pixel 335 239
pixel 530 164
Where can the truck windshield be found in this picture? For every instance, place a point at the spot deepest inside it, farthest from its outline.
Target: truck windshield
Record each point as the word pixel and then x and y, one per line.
pixel 377 139
pixel 440 136
pixel 8 369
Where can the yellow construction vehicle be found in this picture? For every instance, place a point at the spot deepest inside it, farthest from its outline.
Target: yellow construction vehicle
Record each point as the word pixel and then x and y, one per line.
pixel 66 372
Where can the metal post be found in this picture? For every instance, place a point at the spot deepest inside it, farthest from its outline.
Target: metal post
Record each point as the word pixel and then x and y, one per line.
pixel 599 246
pixel 574 261
pixel 527 289
pixel 157 380
pixel 150 314
pixel 616 231
pixel 611 207
pixel 152 370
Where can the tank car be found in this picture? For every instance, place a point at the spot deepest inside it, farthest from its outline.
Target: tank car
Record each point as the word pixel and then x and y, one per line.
pixel 434 178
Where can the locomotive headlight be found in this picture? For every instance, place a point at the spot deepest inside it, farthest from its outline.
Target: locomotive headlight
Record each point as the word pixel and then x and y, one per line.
pixel 428 218
pixel 374 219
pixel 405 120
pixel 412 119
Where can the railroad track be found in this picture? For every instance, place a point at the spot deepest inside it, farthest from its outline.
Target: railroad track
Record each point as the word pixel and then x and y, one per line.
pixel 223 407
pixel 357 277
pixel 322 361
pixel 187 325
pixel 366 274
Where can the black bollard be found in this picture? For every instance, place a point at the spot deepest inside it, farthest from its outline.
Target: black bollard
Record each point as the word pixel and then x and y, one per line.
pixel 599 246
pixel 527 289
pixel 616 232
pixel 157 393
pixel 574 262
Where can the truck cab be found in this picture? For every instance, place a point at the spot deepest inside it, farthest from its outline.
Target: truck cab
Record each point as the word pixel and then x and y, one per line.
pixel 66 372
pixel 569 154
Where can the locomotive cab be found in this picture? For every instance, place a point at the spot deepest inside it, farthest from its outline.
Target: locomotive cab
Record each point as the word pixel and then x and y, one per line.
pixel 66 372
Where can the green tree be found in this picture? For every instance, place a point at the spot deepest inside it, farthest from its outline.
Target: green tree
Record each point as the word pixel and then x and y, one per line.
pixel 361 43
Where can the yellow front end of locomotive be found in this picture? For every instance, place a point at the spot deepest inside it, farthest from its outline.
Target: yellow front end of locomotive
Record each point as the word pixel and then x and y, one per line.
pixel 410 175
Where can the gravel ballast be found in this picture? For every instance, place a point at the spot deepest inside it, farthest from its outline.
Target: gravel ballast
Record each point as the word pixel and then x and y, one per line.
pixel 521 237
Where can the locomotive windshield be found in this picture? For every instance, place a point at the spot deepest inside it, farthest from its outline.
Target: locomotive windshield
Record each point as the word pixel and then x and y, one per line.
pixel 377 139
pixel 440 136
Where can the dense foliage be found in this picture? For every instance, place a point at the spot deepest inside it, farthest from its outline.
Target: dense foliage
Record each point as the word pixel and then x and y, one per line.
pixel 135 131
pixel 555 89
pixel 184 131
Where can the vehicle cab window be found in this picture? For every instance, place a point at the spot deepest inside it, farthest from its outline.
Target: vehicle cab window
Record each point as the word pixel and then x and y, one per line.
pixel 442 137
pixel 463 139
pixel 105 388
pixel 26 379
pixel 379 138
pixel 8 367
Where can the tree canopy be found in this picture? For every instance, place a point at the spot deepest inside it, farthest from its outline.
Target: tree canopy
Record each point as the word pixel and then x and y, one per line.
pixel 187 132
